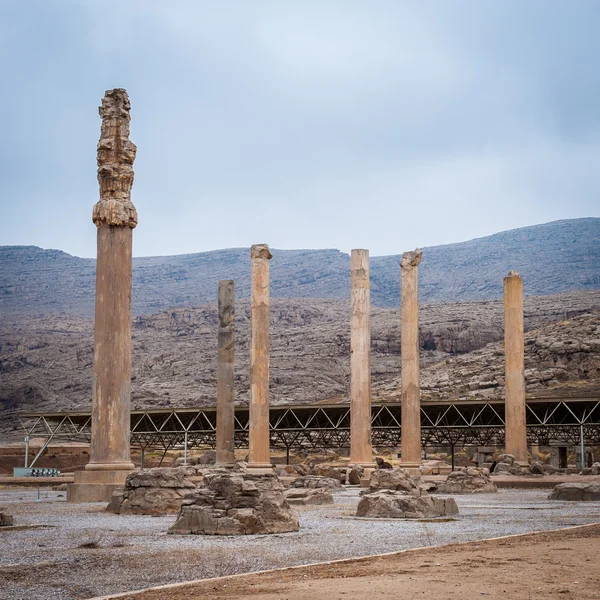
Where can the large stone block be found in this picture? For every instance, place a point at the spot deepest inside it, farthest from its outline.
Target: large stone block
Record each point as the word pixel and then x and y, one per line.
pixel 403 505
pixel 157 491
pixel 584 492
pixel 304 496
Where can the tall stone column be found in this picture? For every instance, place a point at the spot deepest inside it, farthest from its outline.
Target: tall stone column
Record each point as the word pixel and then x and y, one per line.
pixel 411 388
pixel 225 376
pixel 260 454
pixel 514 360
pixel 115 217
pixel 361 452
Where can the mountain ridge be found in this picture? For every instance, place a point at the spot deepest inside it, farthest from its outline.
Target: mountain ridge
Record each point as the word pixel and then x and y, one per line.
pixel 555 257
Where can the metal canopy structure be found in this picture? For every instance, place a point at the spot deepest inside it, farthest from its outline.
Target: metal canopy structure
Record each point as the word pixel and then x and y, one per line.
pixel 550 421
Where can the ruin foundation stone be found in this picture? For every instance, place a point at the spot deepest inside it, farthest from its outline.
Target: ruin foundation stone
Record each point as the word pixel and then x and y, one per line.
pixel 471 480
pixel 157 491
pixel 403 505
pixel 303 496
pixel 315 481
pixel 586 492
pixel 235 503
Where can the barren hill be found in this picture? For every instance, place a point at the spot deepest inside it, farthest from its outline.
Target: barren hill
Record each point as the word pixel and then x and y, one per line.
pixel 553 258
pixel 46 362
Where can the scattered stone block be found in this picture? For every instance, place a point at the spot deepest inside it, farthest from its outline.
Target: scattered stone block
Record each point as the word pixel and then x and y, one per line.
pixel 304 496
pixel 536 468
pixel 403 505
pixel 471 480
pixel 157 491
pixel 596 468
pixel 583 492
pixel 315 481
pixel 6 520
pixel 236 503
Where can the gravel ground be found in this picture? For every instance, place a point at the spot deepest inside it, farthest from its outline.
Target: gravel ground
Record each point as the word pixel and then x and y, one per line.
pixel 131 552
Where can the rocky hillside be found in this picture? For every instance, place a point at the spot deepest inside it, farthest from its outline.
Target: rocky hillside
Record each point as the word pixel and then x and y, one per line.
pixel 46 362
pixel 560 358
pixel 552 258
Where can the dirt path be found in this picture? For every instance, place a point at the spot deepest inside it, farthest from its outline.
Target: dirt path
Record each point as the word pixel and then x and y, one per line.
pixel 562 564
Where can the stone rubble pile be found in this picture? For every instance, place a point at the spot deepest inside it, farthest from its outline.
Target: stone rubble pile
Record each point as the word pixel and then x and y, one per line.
pixel 393 493
pixel 472 480
pixel 157 491
pixel 236 503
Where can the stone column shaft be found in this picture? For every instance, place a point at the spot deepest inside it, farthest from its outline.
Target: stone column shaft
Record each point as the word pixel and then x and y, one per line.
pixel 361 452
pixel 112 351
pixel 411 389
pixel 225 375
pixel 514 357
pixel 260 454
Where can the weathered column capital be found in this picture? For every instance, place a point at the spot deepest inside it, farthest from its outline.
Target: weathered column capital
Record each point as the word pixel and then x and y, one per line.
pixel 260 251
pixel 411 259
pixel 116 153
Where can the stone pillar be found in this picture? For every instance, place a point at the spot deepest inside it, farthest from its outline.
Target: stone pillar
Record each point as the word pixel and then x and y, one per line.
pixel 115 217
pixel 225 376
pixel 259 440
pixel 514 360
pixel 361 452
pixel 411 389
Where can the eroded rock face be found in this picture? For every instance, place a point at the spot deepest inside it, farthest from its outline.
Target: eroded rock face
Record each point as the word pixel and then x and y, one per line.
pixel 586 492
pixel 6 520
pixel 304 496
pixel 315 481
pixel 472 480
pixel 156 491
pixel 402 505
pixel 508 466
pixel 235 503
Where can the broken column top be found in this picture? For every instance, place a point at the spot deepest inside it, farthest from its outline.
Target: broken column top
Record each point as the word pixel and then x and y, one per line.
pixel 513 274
pixel 116 153
pixel 260 251
pixel 411 259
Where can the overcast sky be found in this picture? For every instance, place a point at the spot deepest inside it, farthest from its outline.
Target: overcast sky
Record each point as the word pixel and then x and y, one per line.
pixel 304 124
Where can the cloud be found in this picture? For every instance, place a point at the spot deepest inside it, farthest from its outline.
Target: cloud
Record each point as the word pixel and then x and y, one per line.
pixel 317 124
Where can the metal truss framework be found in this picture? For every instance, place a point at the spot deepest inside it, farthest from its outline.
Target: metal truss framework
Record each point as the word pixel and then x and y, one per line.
pixel 561 422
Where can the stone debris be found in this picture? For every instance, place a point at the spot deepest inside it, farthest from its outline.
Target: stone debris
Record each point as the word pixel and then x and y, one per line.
pixel 315 481
pixel 586 492
pixel 303 496
pixel 6 520
pixel 355 474
pixel 595 468
pixel 382 464
pixel 157 491
pixel 402 505
pixel 536 468
pixel 236 503
pixel 506 465
pixel 471 480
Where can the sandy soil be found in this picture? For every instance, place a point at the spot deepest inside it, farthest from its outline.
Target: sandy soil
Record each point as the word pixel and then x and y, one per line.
pixel 562 564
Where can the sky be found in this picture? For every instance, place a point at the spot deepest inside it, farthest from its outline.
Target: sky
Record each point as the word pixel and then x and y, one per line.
pixel 384 125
